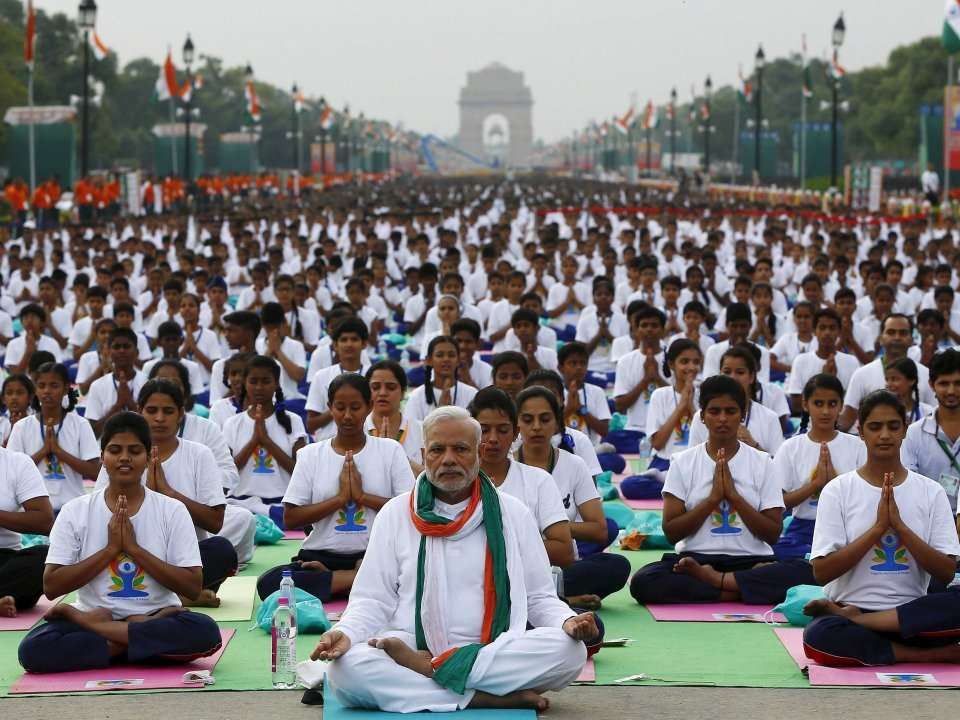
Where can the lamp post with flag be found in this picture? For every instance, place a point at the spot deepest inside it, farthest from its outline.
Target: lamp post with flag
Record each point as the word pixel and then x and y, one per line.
pixel 28 56
pixel 295 132
pixel 673 130
pixel 707 120
pixel 759 60
pixel 87 20
pixel 839 31
pixel 188 107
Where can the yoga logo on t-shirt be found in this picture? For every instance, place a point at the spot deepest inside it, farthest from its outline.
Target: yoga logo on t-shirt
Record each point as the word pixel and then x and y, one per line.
pixel 262 462
pixel 351 518
pixel 126 578
pixel 681 433
pixel 54 469
pixel 889 554
pixel 815 498
pixel 725 520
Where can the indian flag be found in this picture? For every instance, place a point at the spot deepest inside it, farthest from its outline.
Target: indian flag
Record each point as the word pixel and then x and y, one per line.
pixel 100 50
pixel 623 123
pixel 326 118
pixel 167 85
pixel 253 104
pixel 951 26
pixel 30 37
pixel 650 116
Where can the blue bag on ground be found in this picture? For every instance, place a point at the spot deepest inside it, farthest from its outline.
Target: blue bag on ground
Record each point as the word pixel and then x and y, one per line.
pixel 268 532
pixel 605 486
pixel 650 523
pixel 310 615
pixel 797 597
pixel 619 513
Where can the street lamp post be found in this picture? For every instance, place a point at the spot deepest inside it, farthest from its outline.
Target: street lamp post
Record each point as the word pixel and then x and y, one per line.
pixel 295 132
pixel 839 30
pixel 248 77
pixel 760 59
pixel 187 61
pixel 673 130
pixel 708 92
pixel 87 21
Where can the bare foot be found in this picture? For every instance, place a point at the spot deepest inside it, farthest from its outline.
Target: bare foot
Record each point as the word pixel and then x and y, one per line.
pixel 161 613
pixel 206 598
pixel 8 607
pixel 522 699
pixel 703 573
pixel 584 602
pixel 314 565
pixel 65 611
pixel 818 608
pixel 404 655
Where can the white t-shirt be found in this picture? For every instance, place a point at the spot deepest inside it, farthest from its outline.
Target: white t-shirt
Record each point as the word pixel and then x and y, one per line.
pixel 587 328
pixel 262 476
pixel 690 479
pixel 663 402
pixel 630 371
pixel 192 471
pixel 583 448
pixel 574 483
pixel 384 471
pixel 595 400
pixel 411 437
pixel 711 361
pixel 222 410
pixel 762 423
pixel 887 576
pixel 558 295
pixel 538 491
pixel 20 481
pixel 417 407
pixel 206 432
pixel 790 345
pixel 293 349
pixel 163 528
pixel 103 394
pixel 317 396
pixel 808 364
pixel 75 436
pixel 18 346
pixel 871 377
pixel 197 383
pixel 207 342
pixel 798 458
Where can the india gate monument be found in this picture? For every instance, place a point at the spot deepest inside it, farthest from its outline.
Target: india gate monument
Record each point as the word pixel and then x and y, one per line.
pixel 495 116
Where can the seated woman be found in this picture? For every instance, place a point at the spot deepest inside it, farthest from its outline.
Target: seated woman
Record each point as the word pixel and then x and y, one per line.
pixel 130 553
pixel 671 410
pixel 24 508
pixel 589 579
pixel 810 459
pixel 440 385
pixel 186 471
pixel 883 532
pixel 388 384
pixel 720 508
pixel 338 486
pixel 226 407
pixel 902 379
pixel 760 427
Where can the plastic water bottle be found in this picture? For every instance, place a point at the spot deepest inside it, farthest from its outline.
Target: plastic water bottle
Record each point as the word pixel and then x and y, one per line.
pixel 645 448
pixel 288 590
pixel 405 359
pixel 283 633
pixel 382 349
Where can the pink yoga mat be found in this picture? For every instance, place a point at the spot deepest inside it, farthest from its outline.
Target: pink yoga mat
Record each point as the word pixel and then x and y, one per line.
pixel 294 535
pixel 792 639
pixel 653 504
pixel 119 677
pixel 588 674
pixel 713 612
pixel 905 675
pixel 334 609
pixel 28 618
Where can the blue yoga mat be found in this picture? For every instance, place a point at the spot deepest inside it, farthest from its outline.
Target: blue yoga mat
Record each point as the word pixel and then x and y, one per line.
pixel 333 710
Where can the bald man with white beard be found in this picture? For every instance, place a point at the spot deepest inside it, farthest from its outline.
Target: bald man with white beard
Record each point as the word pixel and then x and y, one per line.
pixel 439 610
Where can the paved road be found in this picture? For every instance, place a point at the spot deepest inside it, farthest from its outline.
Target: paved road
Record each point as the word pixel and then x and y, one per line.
pixel 573 704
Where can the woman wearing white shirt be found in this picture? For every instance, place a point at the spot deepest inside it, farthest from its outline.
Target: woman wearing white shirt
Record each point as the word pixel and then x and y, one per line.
pixel 761 426
pixel 720 507
pixel 388 383
pixel 589 578
pixel 668 418
pixel 24 508
pixel 338 487
pixel 882 533
pixel 130 553
pixel 440 384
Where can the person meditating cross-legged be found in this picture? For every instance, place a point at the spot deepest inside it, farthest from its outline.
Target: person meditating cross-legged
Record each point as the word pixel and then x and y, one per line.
pixel 130 553
pixel 722 507
pixel 882 533
pixel 455 573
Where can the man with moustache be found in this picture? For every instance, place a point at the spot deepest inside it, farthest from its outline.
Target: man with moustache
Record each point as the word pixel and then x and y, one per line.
pixel 439 610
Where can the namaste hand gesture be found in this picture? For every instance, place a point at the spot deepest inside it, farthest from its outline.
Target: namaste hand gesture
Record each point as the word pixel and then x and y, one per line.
pixel 50 444
pixel 825 470
pixel 830 366
pixel 260 425
pixel 571 405
pixel 888 513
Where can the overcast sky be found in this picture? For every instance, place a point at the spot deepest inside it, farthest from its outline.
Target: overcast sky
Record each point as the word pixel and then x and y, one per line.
pixel 406 60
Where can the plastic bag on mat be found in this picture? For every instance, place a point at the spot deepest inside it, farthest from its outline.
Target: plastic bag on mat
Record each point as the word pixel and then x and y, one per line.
pixel 796 598
pixel 605 486
pixel 619 513
pixel 650 523
pixel 310 614
pixel 268 532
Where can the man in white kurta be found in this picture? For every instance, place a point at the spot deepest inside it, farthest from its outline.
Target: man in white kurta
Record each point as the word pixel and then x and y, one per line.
pixel 376 664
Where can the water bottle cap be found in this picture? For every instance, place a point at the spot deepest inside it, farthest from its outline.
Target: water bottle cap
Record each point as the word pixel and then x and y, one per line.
pixel 286 573
pixel 283 602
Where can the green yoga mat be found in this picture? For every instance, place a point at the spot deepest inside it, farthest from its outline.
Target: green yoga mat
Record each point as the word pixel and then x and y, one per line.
pixel 333 710
pixel 236 600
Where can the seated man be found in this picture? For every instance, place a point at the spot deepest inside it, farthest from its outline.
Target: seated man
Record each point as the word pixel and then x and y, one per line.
pixel 405 645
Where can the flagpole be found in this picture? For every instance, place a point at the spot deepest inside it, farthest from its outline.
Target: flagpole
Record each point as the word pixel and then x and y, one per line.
pixel 803 128
pixel 736 139
pixel 30 133
pixel 947 118
pixel 173 138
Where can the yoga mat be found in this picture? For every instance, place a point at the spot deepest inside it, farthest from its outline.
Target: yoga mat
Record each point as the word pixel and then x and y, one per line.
pixel 792 639
pixel 236 600
pixel 588 674
pixel 123 677
pixel 333 710
pixel 334 609
pixel 294 535
pixel 713 612
pixel 26 619
pixel 903 675
pixel 651 504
